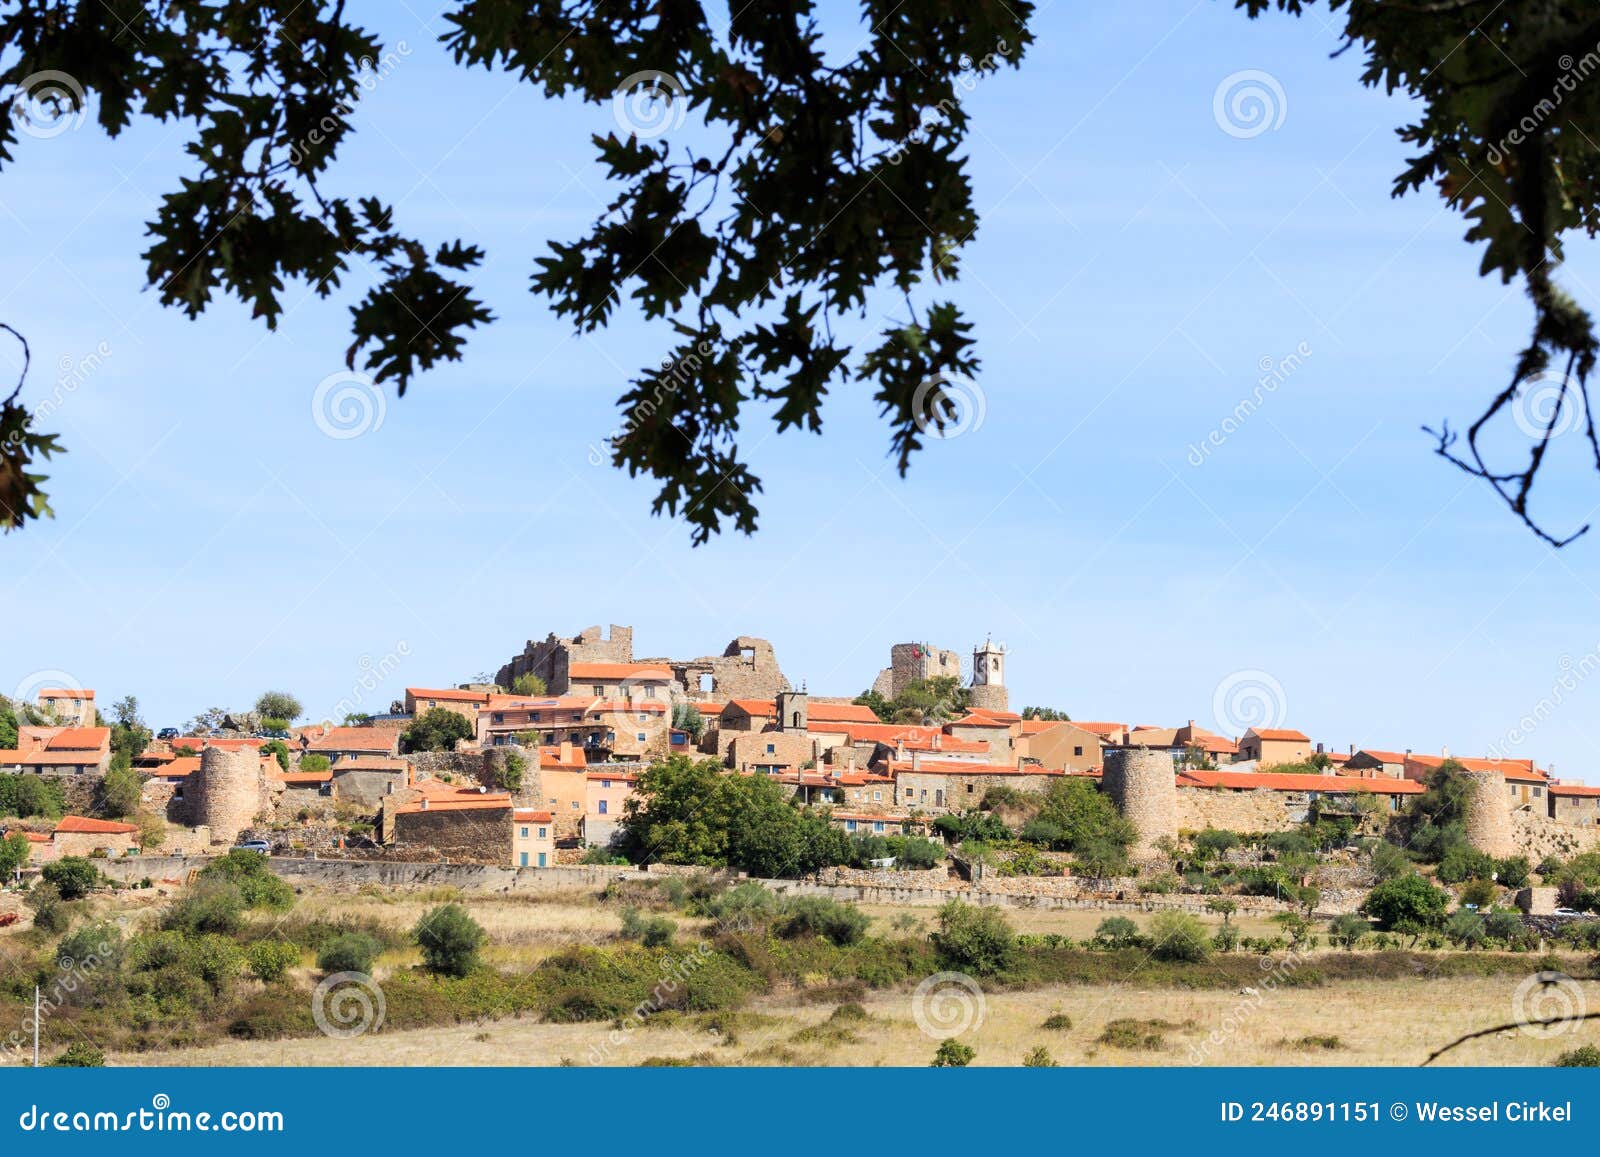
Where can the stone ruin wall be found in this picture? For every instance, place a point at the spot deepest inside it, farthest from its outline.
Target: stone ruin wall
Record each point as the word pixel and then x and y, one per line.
pixel 733 674
pixel 1198 808
pixel 549 657
pixel 227 792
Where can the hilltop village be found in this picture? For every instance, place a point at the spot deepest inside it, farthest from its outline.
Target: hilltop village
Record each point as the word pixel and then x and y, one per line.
pixel 538 768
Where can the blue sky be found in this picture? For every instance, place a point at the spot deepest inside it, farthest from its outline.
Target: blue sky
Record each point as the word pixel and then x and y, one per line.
pixel 1135 267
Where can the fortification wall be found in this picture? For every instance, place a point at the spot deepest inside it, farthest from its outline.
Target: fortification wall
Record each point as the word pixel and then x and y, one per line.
pixel 1488 818
pixel 1537 836
pixel 1141 783
pixel 909 662
pixel 1198 808
pixel 227 792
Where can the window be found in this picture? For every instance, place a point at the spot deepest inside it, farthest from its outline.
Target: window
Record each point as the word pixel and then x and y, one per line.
pixel 1077 751
pixel 909 793
pixel 1537 792
pixel 524 833
pixel 849 825
pixel 924 793
pixel 877 825
pixel 969 789
pixel 575 804
pixel 772 748
pixel 638 736
pixel 522 860
pixel 706 684
pixel 603 807
pixel 877 795
pixel 433 703
pixel 541 859
pixel 533 717
pixel 598 690
pixel 605 783
pixel 542 833
pixel 499 717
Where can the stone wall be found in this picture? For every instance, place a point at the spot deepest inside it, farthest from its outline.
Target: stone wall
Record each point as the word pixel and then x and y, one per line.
pixel 746 669
pixel 1488 819
pixel 550 657
pixel 475 836
pixel 909 662
pixel 1199 808
pixel 227 792
pixel 1537 836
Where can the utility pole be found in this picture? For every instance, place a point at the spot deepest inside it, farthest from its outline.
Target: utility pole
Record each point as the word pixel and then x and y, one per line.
pixel 36 1026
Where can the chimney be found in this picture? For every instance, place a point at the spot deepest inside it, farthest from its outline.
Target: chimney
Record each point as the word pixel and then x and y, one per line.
pixel 423 803
pixel 566 751
pixel 1445 751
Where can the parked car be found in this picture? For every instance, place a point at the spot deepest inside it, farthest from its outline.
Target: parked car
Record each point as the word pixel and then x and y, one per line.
pixel 167 733
pixel 272 733
pixel 1573 912
pixel 254 846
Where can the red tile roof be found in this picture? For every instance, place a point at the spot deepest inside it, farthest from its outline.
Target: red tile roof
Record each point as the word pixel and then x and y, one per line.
pixel 97 827
pixel 840 713
pixel 974 719
pixel 1100 728
pixel 1280 734
pixel 754 706
pixel 448 694
pixel 66 693
pixel 530 816
pixel 1575 789
pixel 80 739
pixel 1517 769
pixel 1383 756
pixel 959 767
pixel 355 739
pixel 178 767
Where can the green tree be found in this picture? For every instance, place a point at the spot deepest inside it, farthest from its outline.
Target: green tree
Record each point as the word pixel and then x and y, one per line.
pixel 349 952
pixel 1049 714
pixel 1178 936
pixel 279 750
pixel 686 717
pixel 74 876
pixel 1436 819
pixel 1465 928
pixel 1406 904
pixel 8 725
pixel 952 1054
pixel 270 960
pixel 1347 931
pixel 1039 1058
pixel 278 705
pixel 13 854
pixel 121 791
pixel 974 939
pixel 880 706
pixel 313 762
pixel 437 729
pixel 1085 814
pixel 252 874
pixel 449 939
pixel 80 1055
pixel 1513 872
pixel 528 684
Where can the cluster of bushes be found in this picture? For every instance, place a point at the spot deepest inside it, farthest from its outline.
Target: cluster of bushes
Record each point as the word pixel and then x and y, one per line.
pixel 907 851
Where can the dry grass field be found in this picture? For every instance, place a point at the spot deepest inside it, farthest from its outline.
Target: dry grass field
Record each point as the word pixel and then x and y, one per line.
pixel 1389 1022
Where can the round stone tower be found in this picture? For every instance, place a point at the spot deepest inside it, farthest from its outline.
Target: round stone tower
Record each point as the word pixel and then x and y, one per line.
pixel 1143 785
pixel 226 791
pixel 1488 818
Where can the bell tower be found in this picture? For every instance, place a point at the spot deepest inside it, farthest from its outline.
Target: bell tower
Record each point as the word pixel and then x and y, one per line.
pixel 989 676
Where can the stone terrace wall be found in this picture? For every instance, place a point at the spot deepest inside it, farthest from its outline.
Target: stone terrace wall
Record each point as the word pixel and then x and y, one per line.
pixel 1199 808
pixel 1537 836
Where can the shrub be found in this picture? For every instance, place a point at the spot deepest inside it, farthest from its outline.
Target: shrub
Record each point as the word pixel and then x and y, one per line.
pixel 1406 903
pixel 314 762
pixel 1464 928
pixel 1117 932
pixel 449 939
pixel 1039 1058
pixel 742 906
pixel 974 939
pixel 250 873
pixel 349 952
pixel 1463 862
pixel 1502 925
pixel 1513 872
pixel 270 960
pixel 1127 1033
pixel 214 905
pixel 1587 1057
pixel 1226 938
pixel 653 931
pixel 1388 862
pixel 1214 842
pixel 1479 893
pixel 842 924
pixel 80 1055
pixel 1044 833
pixel 50 912
pixel 74 876
pixel 915 851
pixel 1179 936
pixel 1057 1022
pixel 1283 844
pixel 953 1054
pixel 1348 930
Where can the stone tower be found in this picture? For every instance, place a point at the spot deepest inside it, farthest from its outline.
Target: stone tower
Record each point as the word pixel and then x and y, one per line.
pixel 1488 818
pixel 226 791
pixel 989 677
pixel 909 662
pixel 1142 783
pixel 793 710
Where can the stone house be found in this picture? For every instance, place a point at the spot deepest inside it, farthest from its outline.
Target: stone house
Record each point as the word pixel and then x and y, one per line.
pixel 875 824
pixel 1574 803
pixel 991 729
pixel 435 819
pixel 1268 746
pixel 772 752
pixel 81 836
pixel 71 706
pixel 1373 761
pixel 602 728
pixel 940 786
pixel 365 779
pixel 607 791
pixel 1525 783
pixel 533 843
pixel 465 703
pixel 647 681
pixel 342 743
